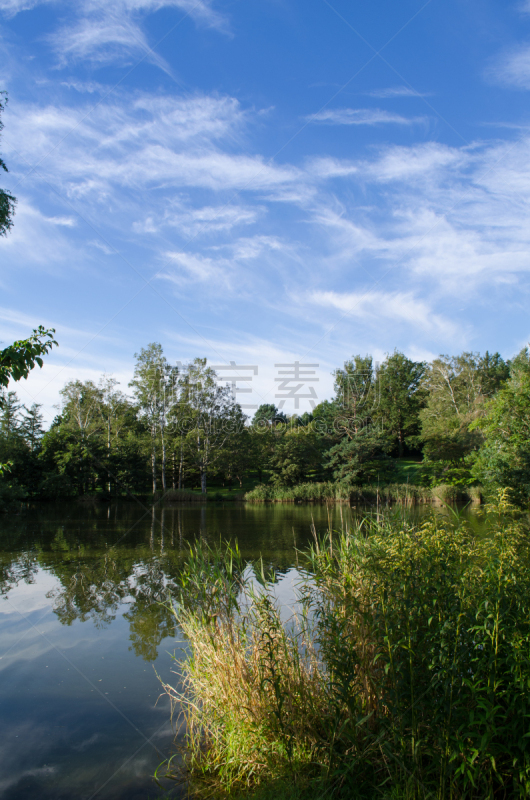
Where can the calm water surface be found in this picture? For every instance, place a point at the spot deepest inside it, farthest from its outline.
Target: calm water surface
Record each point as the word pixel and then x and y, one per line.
pixel 82 632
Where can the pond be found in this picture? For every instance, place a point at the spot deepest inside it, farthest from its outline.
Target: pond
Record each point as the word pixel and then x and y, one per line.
pixel 83 634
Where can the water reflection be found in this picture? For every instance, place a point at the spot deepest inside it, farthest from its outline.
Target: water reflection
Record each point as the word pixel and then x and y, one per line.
pixel 83 620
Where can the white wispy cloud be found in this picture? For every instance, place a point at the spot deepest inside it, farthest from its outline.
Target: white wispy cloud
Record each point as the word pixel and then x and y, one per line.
pixel 185 267
pixel 212 219
pixel 361 116
pixel 39 241
pixel 443 221
pixel 512 69
pixel 262 352
pixel 453 217
pixel 85 87
pixel 107 33
pixel 194 267
pixel 144 141
pixel 67 222
pixel 101 246
pixel 105 37
pixel 428 160
pixel 252 247
pixel 331 167
pixel 12 7
pixel 351 238
pixel 397 91
pixel 378 306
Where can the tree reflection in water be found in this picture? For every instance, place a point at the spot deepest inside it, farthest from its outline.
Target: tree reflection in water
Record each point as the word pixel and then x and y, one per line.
pixel 119 560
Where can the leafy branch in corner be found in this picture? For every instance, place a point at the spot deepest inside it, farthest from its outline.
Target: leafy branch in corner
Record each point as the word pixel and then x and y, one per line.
pixel 19 358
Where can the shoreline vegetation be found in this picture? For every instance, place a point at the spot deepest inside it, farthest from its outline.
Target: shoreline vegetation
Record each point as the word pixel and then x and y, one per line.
pixel 325 492
pixel 404 431
pixel 328 493
pixel 403 673
pixel 399 493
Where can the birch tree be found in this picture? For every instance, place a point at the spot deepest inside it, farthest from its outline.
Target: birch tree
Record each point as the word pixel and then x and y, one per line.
pixel 154 385
pixel 213 414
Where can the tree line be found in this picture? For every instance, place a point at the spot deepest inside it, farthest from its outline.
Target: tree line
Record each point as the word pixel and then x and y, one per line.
pixel 463 419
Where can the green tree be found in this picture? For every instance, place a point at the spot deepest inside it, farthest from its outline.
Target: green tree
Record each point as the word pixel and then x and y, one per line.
pixel 361 452
pixel 355 397
pixel 238 455
pixel 268 416
pixel 361 458
pixel 458 388
pixel 154 384
pixel 7 201
pixel 118 417
pixel 9 416
pixel 95 444
pixel 214 416
pixel 504 459
pixel 398 399
pixel 31 426
pixel 78 436
pixel 296 457
pixel 20 474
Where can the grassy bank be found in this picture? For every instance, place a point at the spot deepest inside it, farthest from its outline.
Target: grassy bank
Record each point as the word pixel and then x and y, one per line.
pixel 329 492
pixel 405 676
pixel 215 494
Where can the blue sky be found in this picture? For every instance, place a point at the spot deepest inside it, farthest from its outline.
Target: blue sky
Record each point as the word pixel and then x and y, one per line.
pixel 264 182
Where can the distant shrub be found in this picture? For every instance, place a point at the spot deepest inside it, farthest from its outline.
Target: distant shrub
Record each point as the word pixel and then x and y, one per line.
pixel 180 496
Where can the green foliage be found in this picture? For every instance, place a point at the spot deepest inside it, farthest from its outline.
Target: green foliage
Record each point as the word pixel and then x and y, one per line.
pixel 459 473
pixel 11 493
pixel 214 421
pixel 504 459
pixel 446 655
pixel 328 491
pixel 94 445
pixel 297 454
pixel 268 416
pixel 458 388
pixel 363 458
pixel 154 385
pixel 22 474
pixel 7 201
pixel 469 413
pixel 303 492
pixel 17 360
pixel 399 399
pixel 179 496
pixel 405 674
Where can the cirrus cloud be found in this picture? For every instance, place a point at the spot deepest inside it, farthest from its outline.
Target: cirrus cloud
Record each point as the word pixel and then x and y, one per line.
pixel 361 116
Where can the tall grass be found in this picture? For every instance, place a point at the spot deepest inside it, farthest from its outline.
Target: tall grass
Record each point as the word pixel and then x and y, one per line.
pixel 406 675
pixel 304 492
pixel 326 492
pixel 179 496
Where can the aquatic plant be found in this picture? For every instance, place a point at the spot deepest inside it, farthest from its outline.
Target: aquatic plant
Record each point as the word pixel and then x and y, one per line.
pixel 329 492
pixel 179 496
pixel 405 674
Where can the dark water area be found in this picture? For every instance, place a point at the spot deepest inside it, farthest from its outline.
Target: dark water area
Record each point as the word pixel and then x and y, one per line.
pixel 82 631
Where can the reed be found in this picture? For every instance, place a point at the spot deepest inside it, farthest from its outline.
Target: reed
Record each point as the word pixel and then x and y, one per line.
pixel 475 494
pixel 304 492
pixel 446 493
pixel 179 496
pixel 329 492
pixel 250 684
pixel 405 674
